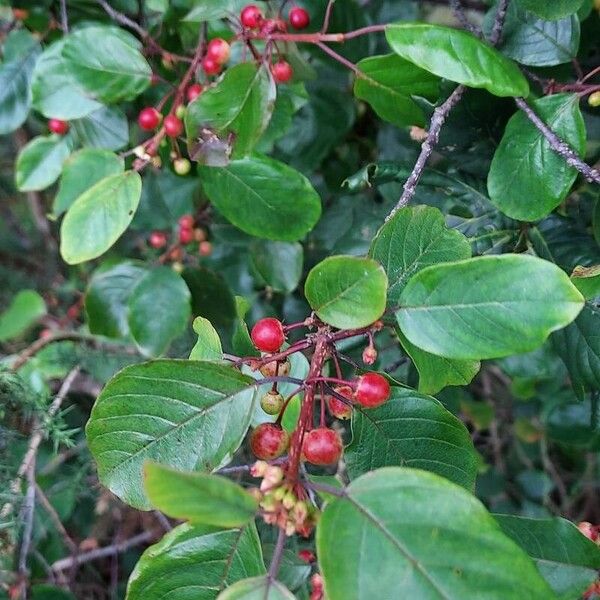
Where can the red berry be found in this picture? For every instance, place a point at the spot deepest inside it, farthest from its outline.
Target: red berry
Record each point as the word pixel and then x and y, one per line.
pixel 186 235
pixel 173 126
pixel 268 335
pixel 210 66
pixel 218 50
pixel 149 118
pixel 205 248
pixel 58 126
pixel 251 16
pixel 338 408
pixel 269 441
pixel 158 239
pixel 590 531
pixel 193 91
pixel 299 18
pixel 307 556
pixel 273 26
pixel 282 71
pixel 186 221
pixel 372 390
pixel 322 446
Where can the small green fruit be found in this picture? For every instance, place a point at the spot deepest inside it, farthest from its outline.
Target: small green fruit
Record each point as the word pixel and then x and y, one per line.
pixel 594 99
pixel 272 403
pixel 182 166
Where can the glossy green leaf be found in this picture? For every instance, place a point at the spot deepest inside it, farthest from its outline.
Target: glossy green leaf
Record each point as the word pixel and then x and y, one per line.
pixel 388 83
pixel 249 193
pixel 241 103
pixel 15 80
pixel 556 9
pixel 109 66
pixel 105 128
pixel 107 297
pixel 211 296
pixel 414 238
pixel 193 562
pixel 587 280
pixel 22 313
pixel 346 291
pixel 565 558
pixel 185 414
pixel 458 56
pixel 55 91
pixel 412 430
pixel 278 263
pixel 98 218
pixel 579 347
pixel 487 307
pixel 527 179
pixel 158 309
pixel 81 171
pixel 441 541
pixel 40 162
pixel 437 372
pixel 535 42
pixel 208 346
pixel 257 588
pixel 199 498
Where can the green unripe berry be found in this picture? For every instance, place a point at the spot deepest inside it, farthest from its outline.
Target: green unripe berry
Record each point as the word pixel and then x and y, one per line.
pixel 182 166
pixel 272 403
pixel 594 99
pixel 180 112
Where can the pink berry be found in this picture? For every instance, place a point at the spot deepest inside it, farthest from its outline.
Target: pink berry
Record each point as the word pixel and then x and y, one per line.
pixel 282 71
pixel 58 126
pixel 194 91
pixel 210 66
pixel 322 446
pixel 372 390
pixel 218 50
pixel 251 16
pixel 173 126
pixel 299 18
pixel 149 118
pixel 268 335
pixel 158 239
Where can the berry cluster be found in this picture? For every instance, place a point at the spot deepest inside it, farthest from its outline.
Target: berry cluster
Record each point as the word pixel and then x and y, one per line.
pixel 187 233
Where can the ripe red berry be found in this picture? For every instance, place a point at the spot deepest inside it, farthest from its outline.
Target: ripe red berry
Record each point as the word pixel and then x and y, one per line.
pixel 219 50
pixel 307 556
pixel 269 441
pixel 205 248
pixel 338 408
pixel 193 91
pixel 186 235
pixel 58 126
pixel 173 126
pixel 149 118
pixel 299 18
pixel 372 390
pixel 267 335
pixel 282 71
pixel 186 221
pixel 322 446
pixel 251 16
pixel 158 239
pixel 210 66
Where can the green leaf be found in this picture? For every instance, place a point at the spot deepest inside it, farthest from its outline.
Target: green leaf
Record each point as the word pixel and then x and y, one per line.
pixel 565 558
pixel 412 430
pixel 104 128
pixel 278 263
pixel 536 42
pixel 185 414
pixel 211 296
pixel 551 11
pixel 199 498
pixel 527 179
pixel 241 103
pixel 487 307
pixel 437 372
pixel 15 79
pixel 40 162
pixel 44 591
pixel 193 562
pixel 80 172
pixel 209 10
pixel 55 91
pixel 107 298
pixel 98 218
pixel 159 309
pixel 579 347
pixel 107 64
pixel 440 539
pixel 346 291
pixel 414 238
pixel 587 280
pixel 388 84
pixel 257 588
pixel 208 346
pixel 23 312
pixel 458 56
pixel 254 194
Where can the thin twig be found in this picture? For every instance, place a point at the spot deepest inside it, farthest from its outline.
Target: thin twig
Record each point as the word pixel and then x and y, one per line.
pixel 459 12
pixel 117 548
pixel 27 518
pixel 64 20
pixel 327 16
pixel 559 146
pixel 277 556
pixel 340 58
pixel 496 34
pixel 51 512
